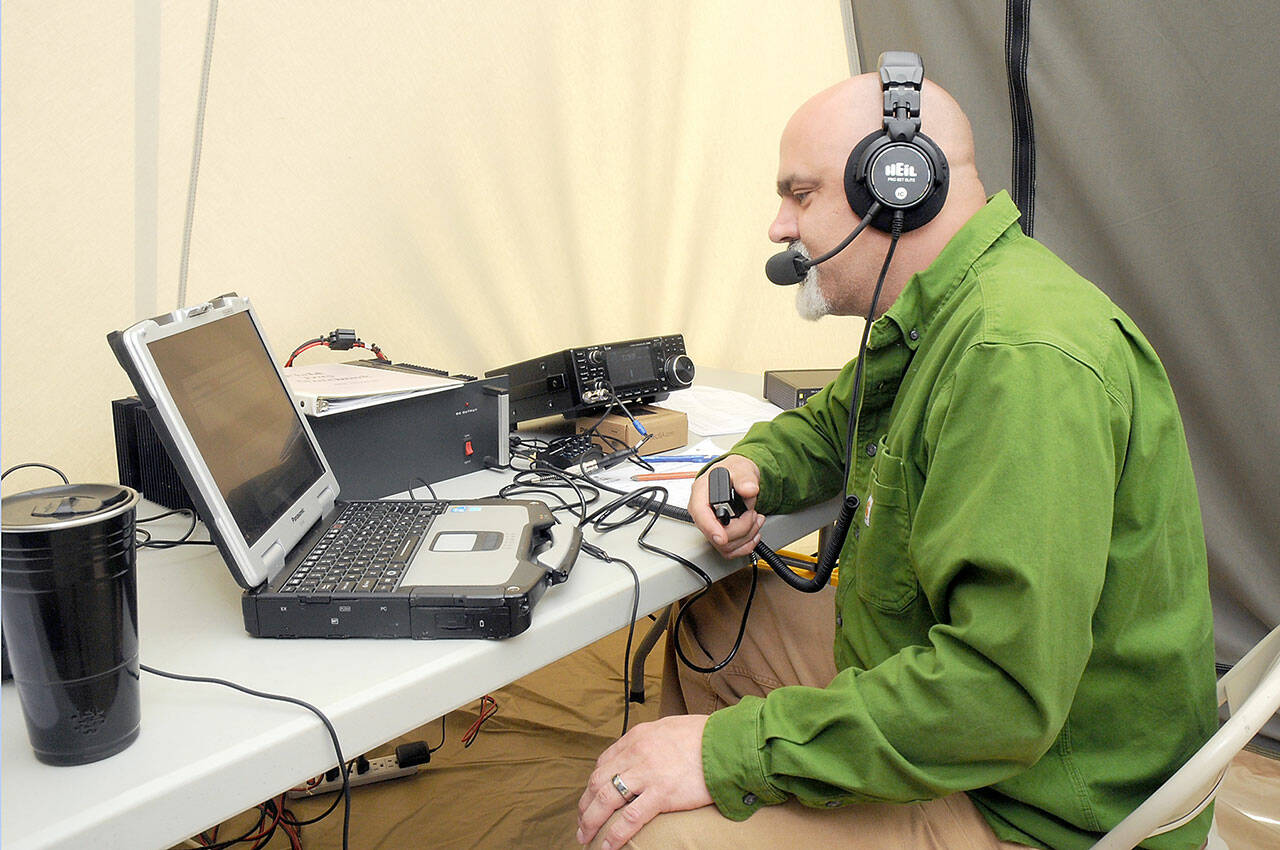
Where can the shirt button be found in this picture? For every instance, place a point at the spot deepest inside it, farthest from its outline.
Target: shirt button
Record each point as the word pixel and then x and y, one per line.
pixel 914 334
pixel 871 449
pixel 748 799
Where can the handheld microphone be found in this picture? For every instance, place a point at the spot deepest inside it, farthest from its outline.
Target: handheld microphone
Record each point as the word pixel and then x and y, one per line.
pixel 788 268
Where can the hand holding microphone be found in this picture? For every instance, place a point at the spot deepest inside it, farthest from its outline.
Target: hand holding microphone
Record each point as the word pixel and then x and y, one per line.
pixel 740 536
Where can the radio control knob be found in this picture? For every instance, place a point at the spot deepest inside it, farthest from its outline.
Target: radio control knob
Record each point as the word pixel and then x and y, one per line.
pixel 596 355
pixel 679 370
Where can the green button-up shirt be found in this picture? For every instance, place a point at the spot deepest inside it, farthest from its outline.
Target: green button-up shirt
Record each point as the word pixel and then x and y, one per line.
pixel 1023 609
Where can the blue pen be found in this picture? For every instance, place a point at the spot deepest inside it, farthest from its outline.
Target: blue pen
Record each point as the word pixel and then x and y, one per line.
pixel 680 458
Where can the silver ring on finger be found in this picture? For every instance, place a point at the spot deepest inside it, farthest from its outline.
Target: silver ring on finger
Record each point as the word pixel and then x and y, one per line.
pixel 622 788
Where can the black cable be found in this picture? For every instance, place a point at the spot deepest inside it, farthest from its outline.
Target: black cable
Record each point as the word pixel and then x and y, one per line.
pixel 542 479
pixel 333 734
pixel 598 553
pixel 231 842
pixel 849 504
pixel 424 483
pixel 148 542
pixel 442 736
pixel 652 500
pixel 644 435
pixel 336 800
pixel 61 474
pixel 742 627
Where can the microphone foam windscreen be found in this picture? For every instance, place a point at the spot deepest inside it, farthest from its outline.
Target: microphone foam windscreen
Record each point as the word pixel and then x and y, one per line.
pixel 785 268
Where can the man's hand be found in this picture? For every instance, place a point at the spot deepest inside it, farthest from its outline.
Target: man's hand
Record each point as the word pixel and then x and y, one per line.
pixel 742 533
pixel 660 764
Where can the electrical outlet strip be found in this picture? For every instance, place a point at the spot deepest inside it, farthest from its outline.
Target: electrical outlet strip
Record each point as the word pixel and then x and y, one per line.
pixel 380 769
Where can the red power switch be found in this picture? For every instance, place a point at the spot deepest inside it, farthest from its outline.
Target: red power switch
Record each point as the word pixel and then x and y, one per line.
pixel 468 449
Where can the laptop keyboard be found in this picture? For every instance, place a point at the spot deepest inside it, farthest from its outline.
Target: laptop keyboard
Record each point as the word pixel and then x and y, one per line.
pixel 366 550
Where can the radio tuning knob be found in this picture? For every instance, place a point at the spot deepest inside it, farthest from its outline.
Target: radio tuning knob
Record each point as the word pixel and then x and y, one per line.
pixel 679 370
pixel 596 356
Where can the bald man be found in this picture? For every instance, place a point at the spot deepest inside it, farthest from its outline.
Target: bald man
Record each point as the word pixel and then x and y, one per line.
pixel 1022 633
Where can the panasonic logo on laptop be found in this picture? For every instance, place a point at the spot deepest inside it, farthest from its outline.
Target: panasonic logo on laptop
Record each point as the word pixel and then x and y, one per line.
pixel 298 515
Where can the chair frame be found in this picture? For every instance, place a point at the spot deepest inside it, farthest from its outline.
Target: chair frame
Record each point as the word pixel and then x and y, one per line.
pixel 1251 691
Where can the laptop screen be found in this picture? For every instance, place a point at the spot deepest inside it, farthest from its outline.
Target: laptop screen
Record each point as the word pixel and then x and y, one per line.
pixel 241 418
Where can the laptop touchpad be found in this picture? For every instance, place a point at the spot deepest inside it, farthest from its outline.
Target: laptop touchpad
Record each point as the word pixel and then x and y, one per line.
pixel 469 547
pixel 466 541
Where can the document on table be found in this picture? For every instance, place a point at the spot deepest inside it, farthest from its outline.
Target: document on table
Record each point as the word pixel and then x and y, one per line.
pixel 334 387
pixel 714 412
pixel 678 490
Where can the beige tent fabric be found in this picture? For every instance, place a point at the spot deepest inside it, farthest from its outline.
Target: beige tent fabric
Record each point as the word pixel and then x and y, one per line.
pixel 467 184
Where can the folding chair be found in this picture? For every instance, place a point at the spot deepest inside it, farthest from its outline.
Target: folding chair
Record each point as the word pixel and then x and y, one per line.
pixel 1251 691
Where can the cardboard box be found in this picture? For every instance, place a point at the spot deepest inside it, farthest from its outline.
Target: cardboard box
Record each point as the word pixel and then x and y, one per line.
pixel 668 429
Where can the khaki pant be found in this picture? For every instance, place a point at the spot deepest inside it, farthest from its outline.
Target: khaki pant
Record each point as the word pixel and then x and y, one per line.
pixel 787 642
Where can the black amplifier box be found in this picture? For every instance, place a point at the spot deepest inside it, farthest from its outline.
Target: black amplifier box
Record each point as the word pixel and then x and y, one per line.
pixel 580 380
pixel 790 388
pixel 391 447
pixel 374 451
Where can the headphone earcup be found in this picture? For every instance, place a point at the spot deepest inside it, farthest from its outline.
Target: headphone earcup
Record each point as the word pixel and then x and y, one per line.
pixel 856 190
pixel 861 194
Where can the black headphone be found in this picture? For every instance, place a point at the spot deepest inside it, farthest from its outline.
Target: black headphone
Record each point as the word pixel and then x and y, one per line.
pixel 898 166
pixel 896 174
pixel 895 180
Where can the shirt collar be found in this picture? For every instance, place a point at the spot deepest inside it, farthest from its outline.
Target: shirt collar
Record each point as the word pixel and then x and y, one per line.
pixel 911 313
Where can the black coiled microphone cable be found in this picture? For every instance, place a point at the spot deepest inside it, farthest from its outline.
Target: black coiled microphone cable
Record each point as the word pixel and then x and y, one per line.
pixel 835 541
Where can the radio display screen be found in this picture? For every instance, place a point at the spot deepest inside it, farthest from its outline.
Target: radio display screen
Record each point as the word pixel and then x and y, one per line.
pixel 630 365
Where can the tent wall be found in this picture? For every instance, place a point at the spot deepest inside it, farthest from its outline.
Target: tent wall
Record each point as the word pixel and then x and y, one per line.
pixel 1157 176
pixel 467 184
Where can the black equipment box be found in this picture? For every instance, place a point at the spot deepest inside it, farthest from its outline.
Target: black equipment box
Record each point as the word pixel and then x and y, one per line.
pixel 578 380
pixel 398 445
pixel 374 451
pixel 141 460
pixel 790 388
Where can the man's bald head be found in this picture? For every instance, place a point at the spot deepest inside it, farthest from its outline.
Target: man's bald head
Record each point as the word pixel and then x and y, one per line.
pixel 817 143
pixel 839 117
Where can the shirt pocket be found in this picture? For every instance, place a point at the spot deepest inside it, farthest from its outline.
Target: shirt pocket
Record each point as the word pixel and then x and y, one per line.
pixel 884 575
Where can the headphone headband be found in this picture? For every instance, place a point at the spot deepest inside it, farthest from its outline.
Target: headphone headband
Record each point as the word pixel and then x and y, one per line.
pixel 901 76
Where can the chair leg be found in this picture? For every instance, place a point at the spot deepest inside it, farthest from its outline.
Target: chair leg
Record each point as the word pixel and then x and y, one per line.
pixel 642 652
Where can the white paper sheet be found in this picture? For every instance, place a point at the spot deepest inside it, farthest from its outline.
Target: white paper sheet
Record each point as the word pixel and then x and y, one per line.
pixel 714 412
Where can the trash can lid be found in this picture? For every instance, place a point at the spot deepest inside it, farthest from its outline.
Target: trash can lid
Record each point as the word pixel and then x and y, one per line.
pixel 64 505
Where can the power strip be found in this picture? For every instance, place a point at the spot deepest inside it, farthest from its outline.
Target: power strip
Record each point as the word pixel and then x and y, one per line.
pixel 380 769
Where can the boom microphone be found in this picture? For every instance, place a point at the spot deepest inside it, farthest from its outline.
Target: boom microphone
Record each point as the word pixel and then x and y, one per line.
pixel 787 268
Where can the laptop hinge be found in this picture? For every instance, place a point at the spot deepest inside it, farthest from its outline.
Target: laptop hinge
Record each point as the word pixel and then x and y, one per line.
pixel 273 560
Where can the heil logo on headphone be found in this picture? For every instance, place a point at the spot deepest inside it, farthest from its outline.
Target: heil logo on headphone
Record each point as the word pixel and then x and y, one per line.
pixel 900 172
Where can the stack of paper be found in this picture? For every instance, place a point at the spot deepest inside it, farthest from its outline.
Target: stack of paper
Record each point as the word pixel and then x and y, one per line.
pixel 329 388
pixel 713 411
